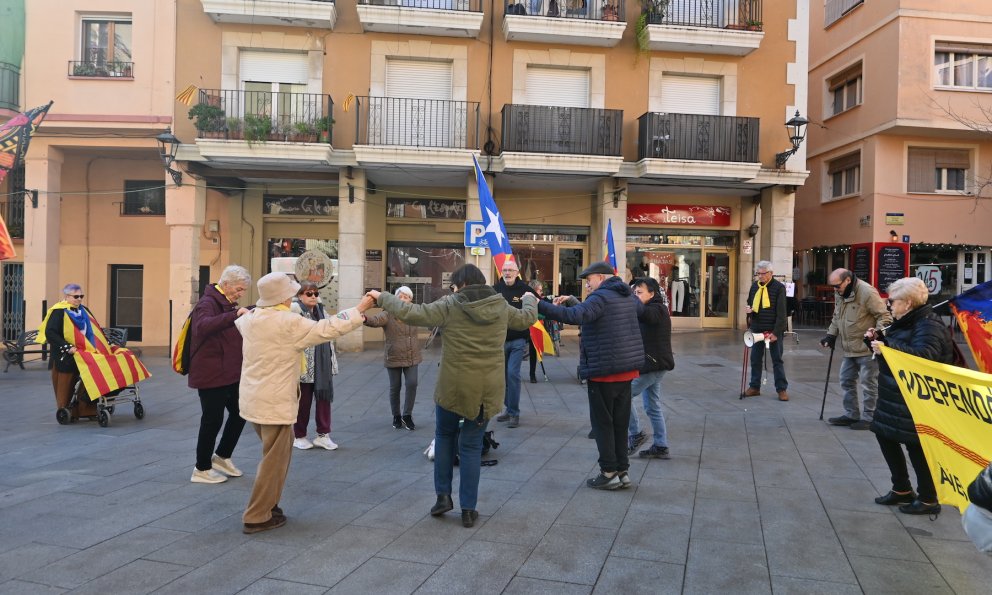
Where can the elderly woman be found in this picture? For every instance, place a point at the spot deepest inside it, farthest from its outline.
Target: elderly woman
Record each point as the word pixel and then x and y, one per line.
pixel 471 385
pixel 403 356
pixel 274 340
pixel 916 331
pixel 214 371
pixel 65 373
pixel 317 379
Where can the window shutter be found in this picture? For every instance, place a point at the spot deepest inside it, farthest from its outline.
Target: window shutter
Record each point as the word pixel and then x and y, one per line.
pixel 418 79
pixel 952 159
pixel 562 87
pixel 690 95
pixel 845 162
pixel 982 49
pixel 921 165
pixel 417 110
pixel 275 67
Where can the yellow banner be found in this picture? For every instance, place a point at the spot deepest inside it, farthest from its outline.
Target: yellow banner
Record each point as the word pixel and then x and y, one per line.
pixel 952 409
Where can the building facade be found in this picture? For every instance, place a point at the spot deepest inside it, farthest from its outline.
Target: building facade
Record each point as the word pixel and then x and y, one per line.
pixel 898 141
pixel 343 133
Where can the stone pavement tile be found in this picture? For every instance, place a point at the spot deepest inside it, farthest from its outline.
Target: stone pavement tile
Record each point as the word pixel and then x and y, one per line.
pixel 726 484
pixel 830 465
pixel 379 487
pixel 663 496
pixel 531 586
pixel 553 485
pixel 780 505
pixel 965 569
pixel 884 575
pixel 400 512
pixel 724 458
pixel 328 561
pixel 680 466
pixel 569 554
pixel 103 558
pixel 233 571
pixel 521 521
pixel 431 541
pixel 810 443
pixel 139 576
pixel 849 494
pixel 516 466
pixel 205 545
pixel 717 567
pixel 384 576
pixel 684 443
pixel 728 521
pixel 571 459
pixel 780 474
pixel 24 559
pixel 314 522
pixel 39 490
pixel 477 567
pixel 546 442
pixel 212 509
pixel 791 553
pixel 267 586
pixel 654 537
pixel 639 576
pixel 26 588
pixel 784 585
pixel 881 535
pixel 778 450
pixel 493 493
pixel 597 508
pixel 947 526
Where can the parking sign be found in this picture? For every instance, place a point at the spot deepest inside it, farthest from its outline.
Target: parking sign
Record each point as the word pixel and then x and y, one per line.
pixel 475 234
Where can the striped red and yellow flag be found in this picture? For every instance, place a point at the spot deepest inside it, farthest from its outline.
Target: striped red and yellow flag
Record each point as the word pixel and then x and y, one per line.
pixel 187 95
pixel 103 367
pixel 542 340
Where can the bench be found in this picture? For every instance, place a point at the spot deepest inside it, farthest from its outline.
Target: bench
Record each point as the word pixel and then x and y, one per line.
pixel 24 345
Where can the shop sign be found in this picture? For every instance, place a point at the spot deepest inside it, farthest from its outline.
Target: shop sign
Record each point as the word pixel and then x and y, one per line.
pixel 931 276
pixel 373 269
pixel 309 206
pixel 895 218
pixel 475 234
pixel 880 263
pixel 700 215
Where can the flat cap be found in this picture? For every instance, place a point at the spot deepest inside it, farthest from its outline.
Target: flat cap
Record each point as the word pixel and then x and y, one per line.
pixel 600 267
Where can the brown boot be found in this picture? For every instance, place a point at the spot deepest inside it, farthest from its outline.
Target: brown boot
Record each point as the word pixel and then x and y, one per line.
pixel 751 392
pixel 783 396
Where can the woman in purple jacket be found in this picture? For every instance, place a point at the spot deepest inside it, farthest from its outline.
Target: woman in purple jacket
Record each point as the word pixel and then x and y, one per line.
pixel 215 371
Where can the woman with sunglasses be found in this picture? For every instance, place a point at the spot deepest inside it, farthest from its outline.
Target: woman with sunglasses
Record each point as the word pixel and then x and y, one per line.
pixel 403 356
pixel 316 381
pixel 65 373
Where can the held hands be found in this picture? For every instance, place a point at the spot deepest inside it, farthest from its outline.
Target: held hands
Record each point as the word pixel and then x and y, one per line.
pixel 560 300
pixel 529 299
pixel 374 293
pixel 368 301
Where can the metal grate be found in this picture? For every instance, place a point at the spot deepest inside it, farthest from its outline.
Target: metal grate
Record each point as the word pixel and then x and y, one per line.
pixel 13 300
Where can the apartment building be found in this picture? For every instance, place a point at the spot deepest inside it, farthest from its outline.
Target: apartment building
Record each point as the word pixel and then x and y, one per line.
pixel 898 149
pixel 335 139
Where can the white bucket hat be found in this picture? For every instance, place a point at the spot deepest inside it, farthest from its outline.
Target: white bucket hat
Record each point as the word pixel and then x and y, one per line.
pixel 275 288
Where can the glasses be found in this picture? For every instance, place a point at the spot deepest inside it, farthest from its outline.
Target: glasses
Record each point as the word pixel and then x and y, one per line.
pixel 835 286
pixel 311 293
pixel 76 297
pixel 763 273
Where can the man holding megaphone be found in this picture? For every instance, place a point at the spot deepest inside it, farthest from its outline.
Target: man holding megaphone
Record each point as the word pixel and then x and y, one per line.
pixel 767 313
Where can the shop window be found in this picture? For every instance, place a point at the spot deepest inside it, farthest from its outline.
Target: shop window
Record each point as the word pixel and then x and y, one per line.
pixel 938 170
pixel 933 263
pixel 675 269
pixel 846 89
pixel 963 66
pixel 283 253
pixel 844 176
pixel 425 209
pixel 425 268
pixel 144 197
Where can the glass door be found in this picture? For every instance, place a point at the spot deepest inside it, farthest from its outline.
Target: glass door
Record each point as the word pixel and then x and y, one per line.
pixel 717 295
pixel 975 268
pixel 568 266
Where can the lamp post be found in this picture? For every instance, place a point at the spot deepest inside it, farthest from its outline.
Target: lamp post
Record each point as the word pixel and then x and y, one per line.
pixel 168 144
pixel 797 133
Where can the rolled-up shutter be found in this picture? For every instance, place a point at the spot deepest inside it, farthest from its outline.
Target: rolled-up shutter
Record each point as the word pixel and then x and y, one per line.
pixel 417 110
pixel 952 158
pixel 563 87
pixel 690 95
pixel 845 162
pixel 275 67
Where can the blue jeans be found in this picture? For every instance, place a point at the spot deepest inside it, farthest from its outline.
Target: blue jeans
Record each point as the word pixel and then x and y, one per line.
pixel 778 366
pixel 513 352
pixel 864 371
pixel 649 386
pixel 468 443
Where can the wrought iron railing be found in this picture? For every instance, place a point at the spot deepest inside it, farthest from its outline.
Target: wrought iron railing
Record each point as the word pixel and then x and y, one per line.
pixel 13 300
pixel 12 209
pixel 406 122
pixel 99 69
pixel 462 5
pixel 718 14
pixel 833 10
pixel 562 130
pixel 592 10
pixel 10 84
pixel 263 116
pixel 697 137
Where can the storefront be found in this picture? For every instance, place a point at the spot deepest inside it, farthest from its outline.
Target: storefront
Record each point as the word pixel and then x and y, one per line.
pixel 553 255
pixel 424 245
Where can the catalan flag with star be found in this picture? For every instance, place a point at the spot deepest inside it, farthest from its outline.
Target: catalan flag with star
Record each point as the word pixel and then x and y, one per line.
pixel 15 136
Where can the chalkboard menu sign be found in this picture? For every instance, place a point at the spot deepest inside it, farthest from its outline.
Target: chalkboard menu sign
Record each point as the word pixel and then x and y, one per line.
pixel 891 265
pixel 861 261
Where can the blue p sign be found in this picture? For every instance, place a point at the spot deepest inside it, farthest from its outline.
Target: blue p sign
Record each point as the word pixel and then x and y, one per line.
pixel 475 234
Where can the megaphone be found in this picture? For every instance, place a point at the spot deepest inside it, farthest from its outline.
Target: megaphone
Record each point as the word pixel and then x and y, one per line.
pixel 750 338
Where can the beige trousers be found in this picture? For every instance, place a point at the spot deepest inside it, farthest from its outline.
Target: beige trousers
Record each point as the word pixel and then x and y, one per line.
pixel 277 449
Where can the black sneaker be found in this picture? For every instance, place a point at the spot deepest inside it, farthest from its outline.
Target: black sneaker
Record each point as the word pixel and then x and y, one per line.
pixel 397 422
pixel 408 423
pixel 655 452
pixel 602 482
pixel 625 481
pixel 919 507
pixel 503 416
pixel 634 441
pixel 841 421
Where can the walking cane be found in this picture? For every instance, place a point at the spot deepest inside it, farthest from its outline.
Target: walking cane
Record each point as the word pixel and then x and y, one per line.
pixel 747 353
pixel 830 364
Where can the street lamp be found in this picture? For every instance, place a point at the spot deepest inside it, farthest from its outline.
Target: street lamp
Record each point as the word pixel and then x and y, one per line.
pixel 168 144
pixel 797 133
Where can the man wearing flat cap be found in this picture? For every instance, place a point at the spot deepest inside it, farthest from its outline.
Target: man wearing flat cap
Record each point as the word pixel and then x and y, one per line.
pixel 610 355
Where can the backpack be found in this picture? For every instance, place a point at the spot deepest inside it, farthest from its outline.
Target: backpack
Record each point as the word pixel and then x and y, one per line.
pixel 181 352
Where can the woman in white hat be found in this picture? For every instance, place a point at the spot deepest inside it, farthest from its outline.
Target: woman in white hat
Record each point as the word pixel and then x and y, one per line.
pixel 403 356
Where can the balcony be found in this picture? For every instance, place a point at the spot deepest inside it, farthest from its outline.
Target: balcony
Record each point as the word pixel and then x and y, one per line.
pixel 697 146
pixel 574 22
pixel 317 14
pixel 447 18
pixel 101 69
pixel 541 138
pixel 728 27
pixel 10 96
pixel 415 132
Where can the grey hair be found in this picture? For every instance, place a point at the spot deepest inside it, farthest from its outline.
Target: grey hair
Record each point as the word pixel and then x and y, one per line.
pixel 233 274
pixel 71 288
pixel 911 289
pixel 763 265
pixel 404 289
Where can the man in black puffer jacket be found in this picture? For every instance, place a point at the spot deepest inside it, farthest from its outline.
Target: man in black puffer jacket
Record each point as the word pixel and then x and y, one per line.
pixel 610 355
pixel 656 334
pixel 766 305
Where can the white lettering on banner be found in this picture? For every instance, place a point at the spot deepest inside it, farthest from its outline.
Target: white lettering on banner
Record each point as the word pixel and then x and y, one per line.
pixel 930 275
pixel 678 218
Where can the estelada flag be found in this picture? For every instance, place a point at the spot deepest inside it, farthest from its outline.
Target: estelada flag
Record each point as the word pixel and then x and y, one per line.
pixel 973 309
pixel 611 251
pixel 952 411
pixel 496 236
pixel 15 135
pixel 542 340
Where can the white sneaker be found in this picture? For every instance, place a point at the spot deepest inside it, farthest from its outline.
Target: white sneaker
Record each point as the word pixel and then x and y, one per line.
pixel 302 443
pixel 225 466
pixel 208 476
pixel 324 441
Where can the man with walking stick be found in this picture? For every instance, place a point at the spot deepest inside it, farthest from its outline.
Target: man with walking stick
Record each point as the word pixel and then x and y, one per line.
pixel 857 307
pixel 766 305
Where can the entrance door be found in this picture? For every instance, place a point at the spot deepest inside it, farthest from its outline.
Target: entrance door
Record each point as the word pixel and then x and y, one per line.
pixel 717 295
pixel 569 266
pixel 975 268
pixel 126 296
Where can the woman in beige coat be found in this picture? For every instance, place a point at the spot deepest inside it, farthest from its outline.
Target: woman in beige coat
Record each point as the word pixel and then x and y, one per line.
pixel 273 342
pixel 402 359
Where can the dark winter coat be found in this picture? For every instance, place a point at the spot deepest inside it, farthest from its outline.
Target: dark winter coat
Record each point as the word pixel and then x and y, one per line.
pixel 215 346
pixel 55 337
pixel 656 333
pixel 609 326
pixel 980 490
pixel 402 343
pixel 513 294
pixel 773 318
pixel 918 333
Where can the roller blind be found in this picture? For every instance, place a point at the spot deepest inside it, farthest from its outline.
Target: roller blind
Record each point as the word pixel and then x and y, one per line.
pixel 418 79
pixel 921 165
pixel 275 67
pixel 952 158
pixel 984 49
pixel 845 162
pixel 690 95
pixel 564 87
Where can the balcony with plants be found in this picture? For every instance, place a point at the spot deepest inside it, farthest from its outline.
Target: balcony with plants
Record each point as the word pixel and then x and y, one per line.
pixel 576 22
pixel 446 18
pixel 547 137
pixel 259 117
pixel 697 145
pixel 728 27
pixel 313 14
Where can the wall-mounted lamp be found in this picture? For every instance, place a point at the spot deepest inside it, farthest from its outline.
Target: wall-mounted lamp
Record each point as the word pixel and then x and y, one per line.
pixel 752 230
pixel 893 236
pixel 797 133
pixel 168 144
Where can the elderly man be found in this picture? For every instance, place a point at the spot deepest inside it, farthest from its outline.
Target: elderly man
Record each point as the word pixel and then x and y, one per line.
pixel 857 308
pixel 766 305
pixel 513 291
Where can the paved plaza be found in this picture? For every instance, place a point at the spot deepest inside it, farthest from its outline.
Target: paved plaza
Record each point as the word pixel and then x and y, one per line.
pixel 759 496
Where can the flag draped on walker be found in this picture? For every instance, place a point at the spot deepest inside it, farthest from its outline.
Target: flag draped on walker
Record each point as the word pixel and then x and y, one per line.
pixel 973 309
pixel 15 136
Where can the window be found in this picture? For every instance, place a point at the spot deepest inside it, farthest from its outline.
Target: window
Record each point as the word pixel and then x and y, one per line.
pixel 937 170
pixel 106 40
pixel 963 66
pixel 690 94
pixel 844 176
pixel 833 10
pixel 126 297
pixel 144 197
pixel 562 87
pixel 845 89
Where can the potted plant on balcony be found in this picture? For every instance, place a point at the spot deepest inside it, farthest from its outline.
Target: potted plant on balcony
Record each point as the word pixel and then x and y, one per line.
pixel 324 126
pixel 257 129
pixel 209 120
pixel 753 25
pixel 234 131
pixel 303 132
pixel 84 69
pixel 610 11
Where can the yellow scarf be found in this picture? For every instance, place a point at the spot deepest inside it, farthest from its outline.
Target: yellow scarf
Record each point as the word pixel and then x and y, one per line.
pixel 41 339
pixel 761 298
